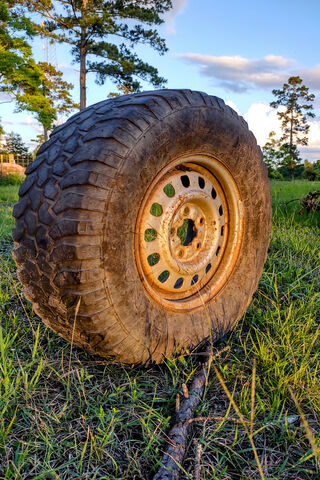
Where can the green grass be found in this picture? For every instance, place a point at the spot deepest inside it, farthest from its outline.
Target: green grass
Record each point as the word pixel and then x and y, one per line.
pixel 65 414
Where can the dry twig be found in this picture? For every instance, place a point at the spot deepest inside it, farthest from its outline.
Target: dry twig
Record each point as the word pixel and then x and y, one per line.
pixel 177 437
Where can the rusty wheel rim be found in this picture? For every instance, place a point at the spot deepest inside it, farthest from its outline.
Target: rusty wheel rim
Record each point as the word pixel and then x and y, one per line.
pixel 188 233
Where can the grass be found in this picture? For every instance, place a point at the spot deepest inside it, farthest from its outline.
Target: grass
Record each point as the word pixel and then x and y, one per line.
pixel 65 414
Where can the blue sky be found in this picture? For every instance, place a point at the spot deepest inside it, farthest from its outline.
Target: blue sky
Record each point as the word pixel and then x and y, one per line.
pixel 238 51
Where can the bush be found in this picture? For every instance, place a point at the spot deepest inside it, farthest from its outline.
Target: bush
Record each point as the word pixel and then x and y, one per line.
pixel 12 179
pixel 311 174
pixel 274 174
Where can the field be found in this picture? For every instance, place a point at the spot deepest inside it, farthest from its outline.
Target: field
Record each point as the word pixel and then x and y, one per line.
pixel 67 415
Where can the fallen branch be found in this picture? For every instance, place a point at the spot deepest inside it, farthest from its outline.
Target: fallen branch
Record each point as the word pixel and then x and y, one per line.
pixel 311 202
pixel 177 437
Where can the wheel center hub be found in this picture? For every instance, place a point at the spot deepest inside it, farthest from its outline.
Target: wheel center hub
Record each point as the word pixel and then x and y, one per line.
pixel 183 231
pixel 187 232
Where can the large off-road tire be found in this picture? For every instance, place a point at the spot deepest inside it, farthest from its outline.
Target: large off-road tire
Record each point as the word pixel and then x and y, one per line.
pixel 143 224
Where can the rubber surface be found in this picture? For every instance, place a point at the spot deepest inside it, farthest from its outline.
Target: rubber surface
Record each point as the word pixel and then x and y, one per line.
pixel 75 222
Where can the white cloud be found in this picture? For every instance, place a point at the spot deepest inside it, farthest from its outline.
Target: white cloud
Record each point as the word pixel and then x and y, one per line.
pixel 6 98
pixel 231 104
pixel 239 74
pixel 312 151
pixel 28 121
pixel 169 17
pixel 262 119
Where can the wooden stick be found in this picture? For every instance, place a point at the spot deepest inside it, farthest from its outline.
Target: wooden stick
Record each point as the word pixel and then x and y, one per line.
pixel 177 437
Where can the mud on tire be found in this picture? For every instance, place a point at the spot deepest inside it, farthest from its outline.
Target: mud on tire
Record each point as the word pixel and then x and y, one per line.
pixel 81 241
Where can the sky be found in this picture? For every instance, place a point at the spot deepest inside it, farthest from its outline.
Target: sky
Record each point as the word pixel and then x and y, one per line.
pixel 238 51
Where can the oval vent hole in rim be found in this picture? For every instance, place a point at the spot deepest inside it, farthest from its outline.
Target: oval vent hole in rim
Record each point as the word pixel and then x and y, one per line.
pixel 208 267
pixel 201 182
pixel 153 259
pixel 178 283
pixel 169 190
pixel 163 277
pixel 185 181
pixel 213 193
pixel 150 234
pixel 194 280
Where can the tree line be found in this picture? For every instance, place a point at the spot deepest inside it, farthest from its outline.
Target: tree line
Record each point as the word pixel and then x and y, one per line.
pixel 102 36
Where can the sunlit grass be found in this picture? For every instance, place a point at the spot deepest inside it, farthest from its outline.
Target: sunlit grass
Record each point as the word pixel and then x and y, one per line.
pixel 65 414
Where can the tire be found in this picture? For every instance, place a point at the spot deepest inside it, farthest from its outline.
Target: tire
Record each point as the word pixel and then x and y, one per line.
pixel 81 237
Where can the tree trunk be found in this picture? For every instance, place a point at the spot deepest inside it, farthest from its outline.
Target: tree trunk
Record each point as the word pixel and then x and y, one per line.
pixel 45 134
pixel 291 132
pixel 83 72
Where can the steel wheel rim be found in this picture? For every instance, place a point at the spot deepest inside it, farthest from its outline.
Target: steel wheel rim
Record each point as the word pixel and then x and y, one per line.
pixel 188 233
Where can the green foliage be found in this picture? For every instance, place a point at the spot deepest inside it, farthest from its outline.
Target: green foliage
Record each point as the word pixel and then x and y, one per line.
pixel 282 160
pixel 20 76
pixel 311 174
pixel 35 87
pixel 102 36
pixel 275 175
pixel 12 179
pixel 271 153
pixel 57 92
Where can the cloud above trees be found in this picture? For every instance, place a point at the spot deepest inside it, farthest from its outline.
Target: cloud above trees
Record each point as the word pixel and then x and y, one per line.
pixel 263 119
pixel 169 17
pixel 239 74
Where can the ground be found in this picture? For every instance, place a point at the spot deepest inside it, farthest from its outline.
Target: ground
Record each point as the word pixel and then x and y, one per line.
pixel 65 414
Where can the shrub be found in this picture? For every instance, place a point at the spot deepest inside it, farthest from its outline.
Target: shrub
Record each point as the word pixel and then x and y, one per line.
pixel 12 179
pixel 311 174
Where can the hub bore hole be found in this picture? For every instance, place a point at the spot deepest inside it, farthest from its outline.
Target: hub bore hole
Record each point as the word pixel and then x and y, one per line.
pixel 150 234
pixel 153 259
pixel 208 267
pixel 201 182
pixel 198 245
pixel 169 190
pixel 163 277
pixel 213 193
pixel 156 209
pixel 178 283
pixel 187 232
pixel 185 181
pixel 194 280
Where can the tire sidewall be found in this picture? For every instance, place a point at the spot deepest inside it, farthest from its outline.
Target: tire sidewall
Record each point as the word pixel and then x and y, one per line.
pixel 190 130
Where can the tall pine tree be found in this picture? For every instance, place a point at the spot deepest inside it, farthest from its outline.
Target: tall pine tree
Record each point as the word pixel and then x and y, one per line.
pixel 102 35
pixel 297 100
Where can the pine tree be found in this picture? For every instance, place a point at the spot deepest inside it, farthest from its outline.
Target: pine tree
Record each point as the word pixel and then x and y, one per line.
pixel 297 100
pixel 14 144
pixel 102 35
